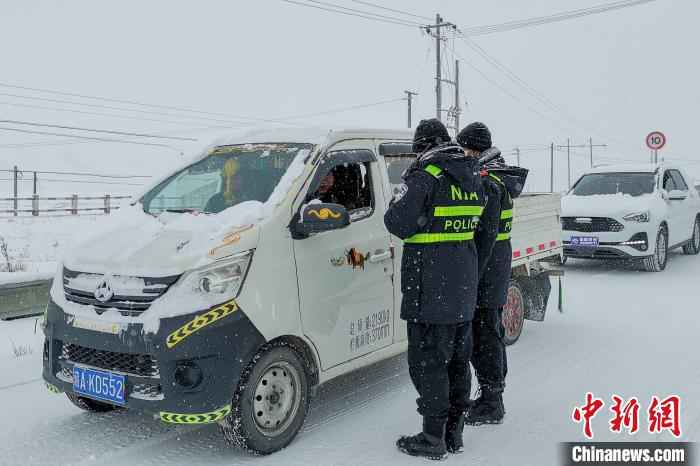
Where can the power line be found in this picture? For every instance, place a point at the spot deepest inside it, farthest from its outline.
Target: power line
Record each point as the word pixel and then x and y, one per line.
pixel 90 130
pixel 557 17
pixel 109 107
pixel 374 5
pixel 346 109
pixel 95 175
pixel 121 141
pixel 52 180
pixel 108 115
pixel 372 18
pixel 131 102
pixel 377 15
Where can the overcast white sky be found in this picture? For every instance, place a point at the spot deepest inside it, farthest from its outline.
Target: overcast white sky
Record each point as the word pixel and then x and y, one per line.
pixel 619 74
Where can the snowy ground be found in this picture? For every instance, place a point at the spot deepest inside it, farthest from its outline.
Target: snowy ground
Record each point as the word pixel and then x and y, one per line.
pixel 623 332
pixel 36 244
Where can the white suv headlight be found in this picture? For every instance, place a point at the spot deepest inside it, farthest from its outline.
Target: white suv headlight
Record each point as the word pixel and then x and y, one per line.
pixel 221 280
pixel 637 217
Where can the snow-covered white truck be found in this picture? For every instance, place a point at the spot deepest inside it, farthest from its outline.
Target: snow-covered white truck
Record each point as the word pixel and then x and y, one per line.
pixel 227 292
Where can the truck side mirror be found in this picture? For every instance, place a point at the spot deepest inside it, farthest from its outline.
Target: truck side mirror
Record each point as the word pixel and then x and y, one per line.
pixel 678 195
pixel 320 217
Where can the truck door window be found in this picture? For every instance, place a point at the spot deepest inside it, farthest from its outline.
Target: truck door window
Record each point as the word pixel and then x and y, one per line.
pixel 669 184
pixel 348 184
pixel 678 180
pixel 398 157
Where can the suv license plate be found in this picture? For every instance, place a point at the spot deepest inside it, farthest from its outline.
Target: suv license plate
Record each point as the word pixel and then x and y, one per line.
pixel 100 385
pixel 584 241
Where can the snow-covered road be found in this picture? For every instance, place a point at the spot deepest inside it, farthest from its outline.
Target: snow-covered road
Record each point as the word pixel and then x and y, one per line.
pixel 623 332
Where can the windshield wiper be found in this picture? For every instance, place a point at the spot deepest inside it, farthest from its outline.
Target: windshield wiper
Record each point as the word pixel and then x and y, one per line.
pixel 183 211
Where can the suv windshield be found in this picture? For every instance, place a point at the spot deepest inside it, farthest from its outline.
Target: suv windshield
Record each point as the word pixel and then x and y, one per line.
pixel 633 184
pixel 227 176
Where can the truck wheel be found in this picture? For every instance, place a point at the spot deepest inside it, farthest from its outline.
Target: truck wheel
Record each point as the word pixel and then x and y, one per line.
pixel 657 261
pixel 271 402
pixel 693 247
pixel 90 405
pixel 513 313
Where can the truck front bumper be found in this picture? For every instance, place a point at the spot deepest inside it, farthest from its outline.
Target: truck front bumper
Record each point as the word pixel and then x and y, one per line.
pixel 186 372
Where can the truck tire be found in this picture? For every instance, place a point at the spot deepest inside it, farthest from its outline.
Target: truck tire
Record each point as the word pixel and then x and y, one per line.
pixel 693 246
pixel 514 313
pixel 90 405
pixel 657 261
pixel 271 401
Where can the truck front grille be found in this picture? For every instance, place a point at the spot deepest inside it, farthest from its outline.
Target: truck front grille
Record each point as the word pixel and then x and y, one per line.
pixel 131 295
pixel 591 224
pixel 142 365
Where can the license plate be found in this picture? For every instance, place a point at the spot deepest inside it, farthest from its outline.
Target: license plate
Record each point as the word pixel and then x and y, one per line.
pixel 584 241
pixel 100 385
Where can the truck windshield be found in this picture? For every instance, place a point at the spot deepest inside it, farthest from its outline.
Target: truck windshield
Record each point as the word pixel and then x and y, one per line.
pixel 633 184
pixel 227 176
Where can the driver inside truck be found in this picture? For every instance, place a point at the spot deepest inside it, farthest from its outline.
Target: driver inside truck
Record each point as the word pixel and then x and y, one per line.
pixel 230 193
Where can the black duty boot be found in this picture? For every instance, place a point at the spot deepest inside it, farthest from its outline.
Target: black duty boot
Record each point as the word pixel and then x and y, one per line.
pixel 487 409
pixel 453 433
pixel 428 444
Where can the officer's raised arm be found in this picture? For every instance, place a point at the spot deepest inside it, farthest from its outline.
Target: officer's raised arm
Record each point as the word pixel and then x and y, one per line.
pixel 487 231
pixel 407 212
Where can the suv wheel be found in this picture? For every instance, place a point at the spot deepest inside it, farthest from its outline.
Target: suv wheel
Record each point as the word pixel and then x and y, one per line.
pixel 657 261
pixel 513 316
pixel 693 247
pixel 271 402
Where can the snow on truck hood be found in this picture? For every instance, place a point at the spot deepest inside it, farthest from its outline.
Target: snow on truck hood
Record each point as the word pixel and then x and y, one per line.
pixel 142 245
pixel 609 205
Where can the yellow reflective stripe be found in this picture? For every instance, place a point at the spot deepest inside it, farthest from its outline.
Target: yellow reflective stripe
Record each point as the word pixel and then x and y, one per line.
pixel 503 236
pixel 433 170
pixel 423 238
pixel 506 214
pixel 458 210
pixel 496 178
pixel 203 418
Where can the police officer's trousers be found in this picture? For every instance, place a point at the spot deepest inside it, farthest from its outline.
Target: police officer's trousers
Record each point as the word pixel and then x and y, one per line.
pixel 489 353
pixel 438 361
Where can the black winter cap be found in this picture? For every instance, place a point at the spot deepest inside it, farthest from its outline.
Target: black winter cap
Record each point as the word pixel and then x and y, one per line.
pixel 475 136
pixel 429 133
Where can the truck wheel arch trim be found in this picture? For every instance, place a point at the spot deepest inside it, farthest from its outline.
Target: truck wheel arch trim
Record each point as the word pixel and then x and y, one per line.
pixel 201 321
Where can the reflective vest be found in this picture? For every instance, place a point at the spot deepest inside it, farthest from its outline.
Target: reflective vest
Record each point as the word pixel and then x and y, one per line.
pixel 455 212
pixel 506 224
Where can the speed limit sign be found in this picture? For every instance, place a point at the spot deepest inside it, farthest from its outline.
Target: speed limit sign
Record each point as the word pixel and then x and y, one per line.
pixel 656 140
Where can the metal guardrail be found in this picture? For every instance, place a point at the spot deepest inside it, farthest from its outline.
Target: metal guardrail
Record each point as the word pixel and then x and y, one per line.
pixel 24 299
pixel 73 210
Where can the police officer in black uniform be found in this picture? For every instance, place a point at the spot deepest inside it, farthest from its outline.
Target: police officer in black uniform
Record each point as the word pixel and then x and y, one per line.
pixel 489 353
pixel 441 215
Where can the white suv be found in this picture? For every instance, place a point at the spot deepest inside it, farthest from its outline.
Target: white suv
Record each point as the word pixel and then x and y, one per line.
pixel 631 212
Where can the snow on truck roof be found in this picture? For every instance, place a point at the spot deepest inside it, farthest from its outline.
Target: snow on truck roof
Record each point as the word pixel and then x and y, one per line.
pixel 625 168
pixel 323 136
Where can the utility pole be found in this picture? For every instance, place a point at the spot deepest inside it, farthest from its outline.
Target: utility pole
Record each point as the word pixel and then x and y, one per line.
pixel 457 109
pixel 439 24
pixel 16 176
pixel 409 98
pixel 551 168
pixel 517 154
pixel 591 146
pixel 438 71
pixel 568 160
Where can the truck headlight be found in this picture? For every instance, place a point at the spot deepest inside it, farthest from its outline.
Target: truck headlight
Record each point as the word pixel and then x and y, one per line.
pixel 637 217
pixel 221 280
